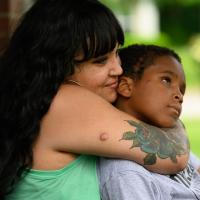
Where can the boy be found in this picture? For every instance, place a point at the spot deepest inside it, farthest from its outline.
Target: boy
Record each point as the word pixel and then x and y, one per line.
pixel 151 89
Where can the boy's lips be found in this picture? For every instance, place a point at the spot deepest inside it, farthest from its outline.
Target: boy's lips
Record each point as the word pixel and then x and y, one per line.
pixel 176 109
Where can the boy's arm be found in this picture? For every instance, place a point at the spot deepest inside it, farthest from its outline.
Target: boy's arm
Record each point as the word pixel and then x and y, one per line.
pixel 81 122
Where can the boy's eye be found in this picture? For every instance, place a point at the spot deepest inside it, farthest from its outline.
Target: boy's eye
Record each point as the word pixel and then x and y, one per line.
pixel 166 80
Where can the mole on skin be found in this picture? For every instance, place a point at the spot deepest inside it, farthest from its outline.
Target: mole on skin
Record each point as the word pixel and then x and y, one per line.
pixel 103 136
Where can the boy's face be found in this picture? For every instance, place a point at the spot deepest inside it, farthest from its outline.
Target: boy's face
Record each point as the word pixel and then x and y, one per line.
pixel 157 97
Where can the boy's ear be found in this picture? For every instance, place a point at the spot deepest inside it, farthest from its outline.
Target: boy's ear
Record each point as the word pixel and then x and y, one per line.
pixel 125 87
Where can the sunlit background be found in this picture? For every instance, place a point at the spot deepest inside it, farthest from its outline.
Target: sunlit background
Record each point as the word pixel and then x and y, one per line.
pixel 171 23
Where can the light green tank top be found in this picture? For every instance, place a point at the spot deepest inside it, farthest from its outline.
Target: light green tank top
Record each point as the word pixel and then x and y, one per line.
pixel 77 181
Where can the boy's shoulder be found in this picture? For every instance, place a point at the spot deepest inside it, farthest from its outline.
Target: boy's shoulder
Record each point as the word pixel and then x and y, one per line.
pixel 108 167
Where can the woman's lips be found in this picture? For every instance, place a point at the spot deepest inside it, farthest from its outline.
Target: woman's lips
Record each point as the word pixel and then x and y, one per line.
pixel 112 85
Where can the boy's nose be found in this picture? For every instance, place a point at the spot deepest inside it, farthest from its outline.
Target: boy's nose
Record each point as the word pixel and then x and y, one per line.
pixel 179 97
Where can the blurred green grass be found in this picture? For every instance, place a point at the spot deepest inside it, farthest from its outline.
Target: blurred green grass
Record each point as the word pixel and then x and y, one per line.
pixel 192 127
pixel 188 56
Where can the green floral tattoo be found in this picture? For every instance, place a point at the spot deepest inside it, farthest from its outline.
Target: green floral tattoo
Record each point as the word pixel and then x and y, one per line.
pixel 165 143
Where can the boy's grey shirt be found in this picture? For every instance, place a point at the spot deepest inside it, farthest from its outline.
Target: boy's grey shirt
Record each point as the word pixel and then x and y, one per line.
pixel 127 180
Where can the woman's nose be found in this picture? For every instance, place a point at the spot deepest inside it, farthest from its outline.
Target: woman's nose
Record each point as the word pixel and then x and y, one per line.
pixel 116 68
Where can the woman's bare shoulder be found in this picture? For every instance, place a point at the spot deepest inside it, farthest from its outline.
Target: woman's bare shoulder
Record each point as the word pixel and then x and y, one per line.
pixel 72 96
pixel 72 91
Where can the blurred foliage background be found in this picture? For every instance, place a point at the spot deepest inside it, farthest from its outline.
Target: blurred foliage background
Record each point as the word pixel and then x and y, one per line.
pixel 175 24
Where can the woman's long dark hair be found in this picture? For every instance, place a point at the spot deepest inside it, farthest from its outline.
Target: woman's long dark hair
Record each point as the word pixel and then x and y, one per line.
pixel 37 61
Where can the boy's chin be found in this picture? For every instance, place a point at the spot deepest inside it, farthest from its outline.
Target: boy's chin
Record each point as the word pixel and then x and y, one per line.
pixel 165 123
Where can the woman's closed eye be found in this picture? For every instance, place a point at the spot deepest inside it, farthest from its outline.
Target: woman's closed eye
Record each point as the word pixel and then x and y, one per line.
pixel 100 60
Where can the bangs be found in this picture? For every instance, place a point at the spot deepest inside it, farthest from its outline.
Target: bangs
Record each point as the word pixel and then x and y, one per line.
pixel 99 34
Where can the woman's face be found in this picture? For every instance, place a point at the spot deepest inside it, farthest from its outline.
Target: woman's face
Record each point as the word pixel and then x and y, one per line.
pixel 100 75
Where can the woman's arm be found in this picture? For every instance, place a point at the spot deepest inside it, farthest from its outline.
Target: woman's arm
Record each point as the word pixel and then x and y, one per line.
pixel 81 122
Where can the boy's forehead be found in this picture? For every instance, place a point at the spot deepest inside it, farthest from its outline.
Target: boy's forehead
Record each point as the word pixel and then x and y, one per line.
pixel 168 65
pixel 167 62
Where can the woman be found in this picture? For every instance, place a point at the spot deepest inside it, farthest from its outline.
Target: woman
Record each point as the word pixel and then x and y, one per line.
pixel 59 46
